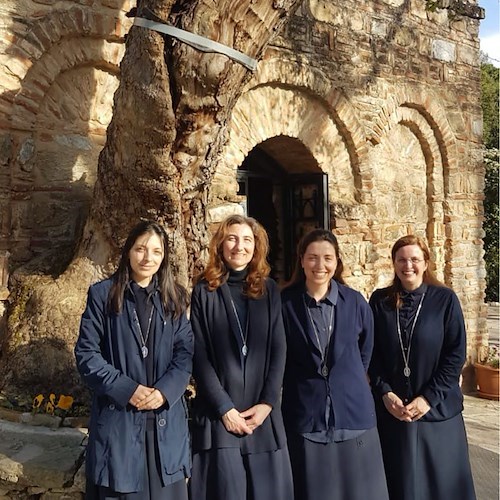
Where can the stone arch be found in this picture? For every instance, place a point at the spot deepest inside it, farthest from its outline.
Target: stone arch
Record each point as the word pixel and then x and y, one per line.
pixel 64 72
pixel 69 55
pixel 434 116
pixel 282 111
pixel 58 25
pixel 57 42
pixel 427 121
pixel 286 82
pixel 301 75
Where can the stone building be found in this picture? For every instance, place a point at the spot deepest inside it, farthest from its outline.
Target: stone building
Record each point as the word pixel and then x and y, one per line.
pixel 363 116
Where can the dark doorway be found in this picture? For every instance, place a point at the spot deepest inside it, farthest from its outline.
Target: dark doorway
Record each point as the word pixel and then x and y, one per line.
pixel 287 193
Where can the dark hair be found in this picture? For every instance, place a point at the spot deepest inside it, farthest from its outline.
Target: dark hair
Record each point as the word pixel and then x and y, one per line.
pixel 395 289
pixel 174 296
pixel 258 268
pixel 312 237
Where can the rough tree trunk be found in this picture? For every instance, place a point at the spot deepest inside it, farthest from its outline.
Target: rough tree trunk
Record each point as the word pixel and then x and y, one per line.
pixel 169 122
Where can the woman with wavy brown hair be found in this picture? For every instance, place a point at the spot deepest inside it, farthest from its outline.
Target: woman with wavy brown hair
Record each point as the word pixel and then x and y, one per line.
pixel 238 437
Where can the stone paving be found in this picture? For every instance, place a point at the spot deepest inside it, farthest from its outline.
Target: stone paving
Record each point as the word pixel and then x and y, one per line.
pixel 482 421
pixel 41 462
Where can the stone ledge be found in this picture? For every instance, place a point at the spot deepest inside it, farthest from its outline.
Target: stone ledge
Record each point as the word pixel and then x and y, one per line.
pixel 42 459
pixel 43 419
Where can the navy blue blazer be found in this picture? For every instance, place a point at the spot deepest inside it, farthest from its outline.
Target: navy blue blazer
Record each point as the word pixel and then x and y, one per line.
pixel 437 354
pixel 109 360
pixel 305 390
pixel 223 382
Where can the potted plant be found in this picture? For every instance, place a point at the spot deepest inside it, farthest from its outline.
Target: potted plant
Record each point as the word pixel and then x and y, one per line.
pixel 488 372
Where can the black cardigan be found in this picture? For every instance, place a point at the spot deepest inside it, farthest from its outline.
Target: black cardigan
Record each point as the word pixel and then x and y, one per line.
pixel 436 358
pixel 223 381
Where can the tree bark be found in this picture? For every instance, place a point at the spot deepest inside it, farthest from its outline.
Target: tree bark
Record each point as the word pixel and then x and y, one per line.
pixel 168 127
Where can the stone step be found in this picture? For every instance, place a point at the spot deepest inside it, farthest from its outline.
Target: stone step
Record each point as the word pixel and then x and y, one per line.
pixel 49 460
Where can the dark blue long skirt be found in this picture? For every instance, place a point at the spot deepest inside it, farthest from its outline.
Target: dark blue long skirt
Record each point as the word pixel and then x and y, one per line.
pixel 226 474
pixel 153 485
pixel 426 460
pixel 347 470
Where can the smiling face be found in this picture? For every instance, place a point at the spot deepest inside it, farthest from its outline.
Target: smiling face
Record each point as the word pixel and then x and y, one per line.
pixel 319 263
pixel 409 266
pixel 145 257
pixel 238 246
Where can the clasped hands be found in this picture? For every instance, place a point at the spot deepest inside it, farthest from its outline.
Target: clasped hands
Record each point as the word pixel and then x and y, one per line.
pixel 411 412
pixel 245 422
pixel 147 398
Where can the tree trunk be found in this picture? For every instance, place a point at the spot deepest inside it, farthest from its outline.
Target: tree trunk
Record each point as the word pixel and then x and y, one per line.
pixel 168 126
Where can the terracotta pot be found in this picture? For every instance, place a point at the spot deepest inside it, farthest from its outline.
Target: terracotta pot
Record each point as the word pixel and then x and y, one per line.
pixel 488 379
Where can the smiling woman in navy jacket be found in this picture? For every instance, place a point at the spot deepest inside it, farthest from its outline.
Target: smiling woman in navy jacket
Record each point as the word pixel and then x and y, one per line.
pixel 135 353
pixel 417 360
pixel 327 404
pixel 239 443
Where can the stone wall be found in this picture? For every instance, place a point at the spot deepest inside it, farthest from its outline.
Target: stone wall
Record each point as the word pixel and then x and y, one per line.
pixel 381 95
pixel 385 97
pixel 59 70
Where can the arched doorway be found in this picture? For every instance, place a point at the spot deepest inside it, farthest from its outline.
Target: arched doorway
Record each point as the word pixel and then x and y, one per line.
pixel 287 192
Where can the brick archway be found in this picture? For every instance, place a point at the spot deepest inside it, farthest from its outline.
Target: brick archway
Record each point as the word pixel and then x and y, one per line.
pixel 274 72
pixel 427 121
pixel 58 42
pixel 63 70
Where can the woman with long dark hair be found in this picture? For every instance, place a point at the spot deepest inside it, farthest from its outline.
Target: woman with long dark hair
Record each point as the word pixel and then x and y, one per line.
pixel 239 444
pixel 134 352
pixel 417 360
pixel 327 405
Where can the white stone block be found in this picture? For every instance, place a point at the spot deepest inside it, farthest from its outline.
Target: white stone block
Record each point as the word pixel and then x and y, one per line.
pixel 218 214
pixel 443 50
pixel 379 28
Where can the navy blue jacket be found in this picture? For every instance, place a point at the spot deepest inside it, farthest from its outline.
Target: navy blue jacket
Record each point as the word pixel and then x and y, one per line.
pixel 223 382
pixel 109 359
pixel 305 390
pixel 437 353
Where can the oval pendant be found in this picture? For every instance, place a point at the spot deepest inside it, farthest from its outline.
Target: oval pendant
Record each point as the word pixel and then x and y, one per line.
pixel 406 371
pixel 324 371
pixel 144 351
pixel 244 350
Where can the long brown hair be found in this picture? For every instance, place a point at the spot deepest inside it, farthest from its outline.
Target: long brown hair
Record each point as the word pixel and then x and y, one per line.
pixel 216 271
pixel 395 289
pixel 312 237
pixel 174 296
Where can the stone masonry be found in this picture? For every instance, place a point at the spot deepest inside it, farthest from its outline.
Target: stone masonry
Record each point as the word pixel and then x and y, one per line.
pixel 382 95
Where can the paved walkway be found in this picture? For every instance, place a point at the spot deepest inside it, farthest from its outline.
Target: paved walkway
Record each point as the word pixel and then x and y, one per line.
pixel 482 421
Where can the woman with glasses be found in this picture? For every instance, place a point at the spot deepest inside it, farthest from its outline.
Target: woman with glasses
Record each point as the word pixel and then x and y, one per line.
pixel 238 437
pixel 327 403
pixel 417 359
